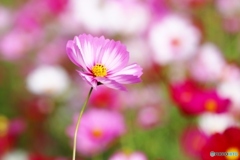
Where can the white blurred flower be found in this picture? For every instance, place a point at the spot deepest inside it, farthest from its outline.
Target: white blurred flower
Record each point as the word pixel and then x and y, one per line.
pixel 211 123
pixel 209 63
pixel 15 155
pixel 49 80
pixel 173 38
pixel 230 89
pixel 228 8
pixel 108 16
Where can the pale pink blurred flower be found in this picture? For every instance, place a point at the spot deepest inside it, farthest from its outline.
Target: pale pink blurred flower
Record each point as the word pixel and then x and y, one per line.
pixel 27 18
pixel 128 156
pixel 109 17
pixel 102 61
pixel 208 64
pixel 15 44
pixel 51 53
pixel 31 15
pixel 5 18
pixel 230 11
pixel 96 130
pixel 173 38
pixel 150 116
pixel 229 87
pixel 231 72
pixel 231 24
pixel 145 95
pixel 228 8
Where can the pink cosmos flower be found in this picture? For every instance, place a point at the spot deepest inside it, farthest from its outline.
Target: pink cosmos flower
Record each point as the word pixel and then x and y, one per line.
pixel 98 128
pixel 102 61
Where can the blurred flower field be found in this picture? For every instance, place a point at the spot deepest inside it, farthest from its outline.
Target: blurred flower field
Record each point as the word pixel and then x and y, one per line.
pixel 186 106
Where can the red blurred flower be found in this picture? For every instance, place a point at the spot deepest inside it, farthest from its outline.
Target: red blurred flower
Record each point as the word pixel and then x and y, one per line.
pixel 36 109
pixel 37 156
pixel 10 130
pixel 229 141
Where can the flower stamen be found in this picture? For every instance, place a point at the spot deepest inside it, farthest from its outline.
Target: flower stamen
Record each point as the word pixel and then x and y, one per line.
pixel 99 70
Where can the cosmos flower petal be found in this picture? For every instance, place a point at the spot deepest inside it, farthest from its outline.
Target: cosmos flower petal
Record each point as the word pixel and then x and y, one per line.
pixel 133 69
pixel 88 78
pixel 74 54
pixel 110 83
pixel 126 79
pixel 113 56
pixel 89 47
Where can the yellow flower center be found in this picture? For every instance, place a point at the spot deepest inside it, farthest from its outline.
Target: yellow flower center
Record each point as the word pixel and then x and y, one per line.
pixel 99 70
pixel 233 154
pixel 211 105
pixel 4 125
pixel 97 133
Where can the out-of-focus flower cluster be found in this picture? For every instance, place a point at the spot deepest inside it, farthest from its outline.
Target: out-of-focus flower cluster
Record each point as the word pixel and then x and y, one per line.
pixel 187 105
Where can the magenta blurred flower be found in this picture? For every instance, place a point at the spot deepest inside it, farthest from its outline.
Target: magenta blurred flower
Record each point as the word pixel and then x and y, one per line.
pixel 184 95
pixel 193 100
pixel 102 61
pixel 96 130
pixel 104 97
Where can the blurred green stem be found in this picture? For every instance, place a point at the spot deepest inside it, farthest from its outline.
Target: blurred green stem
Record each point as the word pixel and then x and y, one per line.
pixel 78 122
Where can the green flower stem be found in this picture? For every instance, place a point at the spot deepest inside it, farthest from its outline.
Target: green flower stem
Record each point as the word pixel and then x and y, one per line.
pixel 78 122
